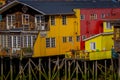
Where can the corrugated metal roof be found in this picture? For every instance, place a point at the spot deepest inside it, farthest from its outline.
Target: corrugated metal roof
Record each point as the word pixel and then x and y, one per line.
pixel 66 7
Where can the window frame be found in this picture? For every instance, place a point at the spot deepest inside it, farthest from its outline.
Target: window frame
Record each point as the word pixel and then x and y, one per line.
pixel 92 45
pixel 70 39
pixel 102 16
pixel 82 17
pixel 93 16
pixel 64 39
pixel 50 42
pixel 11 21
pixel 52 20
pixel 25 19
pixel 108 25
pixel 83 37
pixel 78 38
pixel 64 20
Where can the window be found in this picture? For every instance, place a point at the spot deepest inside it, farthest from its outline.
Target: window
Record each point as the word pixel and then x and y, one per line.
pixel 93 16
pixel 70 39
pixel 108 25
pixel 92 46
pixel 64 39
pixel 10 21
pixel 50 42
pixel 82 17
pixel 102 16
pixel 40 22
pixel 25 19
pixel 83 37
pixel 77 38
pixel 52 20
pixel 64 20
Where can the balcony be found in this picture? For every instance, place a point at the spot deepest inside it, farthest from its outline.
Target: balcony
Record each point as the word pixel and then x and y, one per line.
pixel 26 27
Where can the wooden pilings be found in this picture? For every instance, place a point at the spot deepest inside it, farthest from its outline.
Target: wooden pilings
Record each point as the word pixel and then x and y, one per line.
pixel 57 68
pixel 1 68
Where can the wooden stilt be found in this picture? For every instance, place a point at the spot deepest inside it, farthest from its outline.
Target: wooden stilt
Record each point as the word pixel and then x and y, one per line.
pixel 49 66
pixel 112 69
pixel 11 69
pixel 20 69
pixel 85 70
pixel 119 67
pixel 65 70
pixel 105 69
pixel 69 71
pixel 58 69
pixel 93 73
pixel 76 69
pixel 39 69
pixel 96 70
pixel 1 67
pixel 29 70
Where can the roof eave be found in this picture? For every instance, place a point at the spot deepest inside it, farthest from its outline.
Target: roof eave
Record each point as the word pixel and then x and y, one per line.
pixel 11 4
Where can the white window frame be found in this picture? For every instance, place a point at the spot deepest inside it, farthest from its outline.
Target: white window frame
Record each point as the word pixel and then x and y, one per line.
pixel 108 25
pixel 93 16
pixel 40 23
pixel 25 19
pixel 52 20
pixel 93 46
pixel 102 16
pixel 50 42
pixel 10 21
pixel 64 20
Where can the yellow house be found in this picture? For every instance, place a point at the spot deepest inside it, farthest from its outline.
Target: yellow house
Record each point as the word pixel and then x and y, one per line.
pixel 99 46
pixel 61 38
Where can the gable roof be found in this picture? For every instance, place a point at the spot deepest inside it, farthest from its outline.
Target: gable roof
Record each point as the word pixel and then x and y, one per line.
pixel 61 7
pixel 100 34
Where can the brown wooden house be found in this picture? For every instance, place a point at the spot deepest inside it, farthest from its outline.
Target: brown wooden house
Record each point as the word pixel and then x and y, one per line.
pixel 19 26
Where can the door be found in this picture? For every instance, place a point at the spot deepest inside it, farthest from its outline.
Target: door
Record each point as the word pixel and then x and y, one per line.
pixel 15 43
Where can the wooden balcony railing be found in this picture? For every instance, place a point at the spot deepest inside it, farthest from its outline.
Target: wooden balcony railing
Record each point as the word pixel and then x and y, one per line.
pixel 30 26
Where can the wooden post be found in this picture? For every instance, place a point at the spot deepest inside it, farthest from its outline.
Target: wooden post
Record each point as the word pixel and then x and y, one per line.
pixel 69 70
pixel 112 69
pixel 76 70
pixel 65 70
pixel 29 70
pixel 105 69
pixel 85 70
pixel 1 67
pixel 96 70
pixel 11 69
pixel 93 77
pixel 39 69
pixel 58 69
pixel 49 65
pixel 119 67
pixel 20 69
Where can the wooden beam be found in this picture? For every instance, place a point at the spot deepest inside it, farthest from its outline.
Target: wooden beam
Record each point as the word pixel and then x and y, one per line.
pixel 1 67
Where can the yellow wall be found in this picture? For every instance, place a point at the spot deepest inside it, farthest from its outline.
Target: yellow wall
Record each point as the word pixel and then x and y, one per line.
pixel 102 42
pixel 58 31
pixel 105 29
